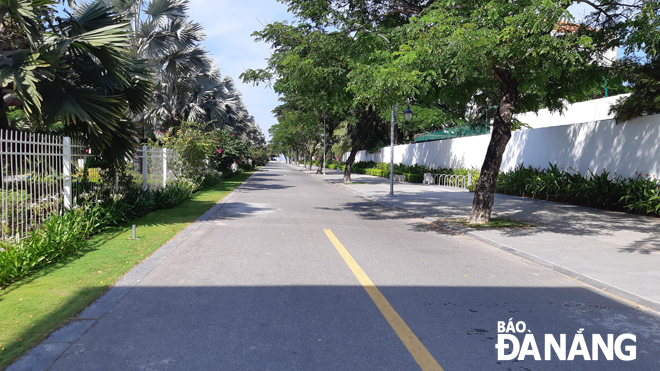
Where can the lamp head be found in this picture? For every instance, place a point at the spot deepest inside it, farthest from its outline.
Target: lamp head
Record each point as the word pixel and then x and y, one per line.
pixel 408 114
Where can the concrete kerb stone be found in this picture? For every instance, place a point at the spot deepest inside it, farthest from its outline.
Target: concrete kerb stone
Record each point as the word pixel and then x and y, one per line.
pixel 43 355
pixel 470 232
pixel 39 357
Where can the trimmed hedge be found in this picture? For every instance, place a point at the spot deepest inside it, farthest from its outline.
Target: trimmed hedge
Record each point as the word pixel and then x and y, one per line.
pixel 414 178
pixel 377 172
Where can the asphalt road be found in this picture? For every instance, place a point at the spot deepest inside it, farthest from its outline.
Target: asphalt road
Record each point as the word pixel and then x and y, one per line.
pixel 297 274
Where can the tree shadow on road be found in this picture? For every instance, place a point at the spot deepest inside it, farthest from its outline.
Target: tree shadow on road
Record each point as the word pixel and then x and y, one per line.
pixel 371 211
pixel 263 187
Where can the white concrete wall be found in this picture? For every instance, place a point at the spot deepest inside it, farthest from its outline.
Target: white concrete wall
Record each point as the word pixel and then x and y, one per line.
pixel 588 111
pixel 625 149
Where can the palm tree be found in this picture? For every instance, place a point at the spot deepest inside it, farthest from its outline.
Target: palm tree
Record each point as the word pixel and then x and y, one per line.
pixel 187 84
pixel 74 73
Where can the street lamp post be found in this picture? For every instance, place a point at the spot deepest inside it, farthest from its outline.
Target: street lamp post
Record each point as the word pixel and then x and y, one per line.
pixel 324 145
pixel 407 115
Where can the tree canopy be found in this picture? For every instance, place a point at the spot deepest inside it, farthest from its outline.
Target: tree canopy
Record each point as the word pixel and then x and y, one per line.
pixel 109 71
pixel 454 61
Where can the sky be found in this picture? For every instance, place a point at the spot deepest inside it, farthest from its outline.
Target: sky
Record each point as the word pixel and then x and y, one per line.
pixel 229 24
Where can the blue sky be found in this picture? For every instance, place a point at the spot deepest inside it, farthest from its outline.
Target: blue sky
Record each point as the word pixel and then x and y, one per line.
pixel 228 25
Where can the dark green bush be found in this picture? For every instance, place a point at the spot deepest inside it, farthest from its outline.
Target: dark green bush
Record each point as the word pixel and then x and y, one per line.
pixel 414 177
pixel 337 166
pixel 378 172
pixel 639 195
pixel 174 194
pixel 208 179
pixel 60 236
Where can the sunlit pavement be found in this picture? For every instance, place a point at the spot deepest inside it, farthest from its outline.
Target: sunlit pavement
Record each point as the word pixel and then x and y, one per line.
pixel 293 273
pixel 613 251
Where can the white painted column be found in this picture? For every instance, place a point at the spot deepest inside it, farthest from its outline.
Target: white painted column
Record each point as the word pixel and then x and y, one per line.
pixel 164 167
pixel 66 172
pixel 144 168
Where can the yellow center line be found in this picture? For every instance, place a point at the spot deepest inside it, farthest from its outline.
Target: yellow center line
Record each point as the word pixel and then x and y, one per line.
pixel 419 352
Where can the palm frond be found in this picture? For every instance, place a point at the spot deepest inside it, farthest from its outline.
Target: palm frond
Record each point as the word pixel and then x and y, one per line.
pixel 19 70
pixel 161 11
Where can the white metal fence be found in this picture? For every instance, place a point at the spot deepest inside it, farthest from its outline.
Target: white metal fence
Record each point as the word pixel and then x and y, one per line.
pixel 43 174
pixel 154 165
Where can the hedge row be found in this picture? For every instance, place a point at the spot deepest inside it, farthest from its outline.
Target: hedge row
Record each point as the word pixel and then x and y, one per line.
pixel 639 195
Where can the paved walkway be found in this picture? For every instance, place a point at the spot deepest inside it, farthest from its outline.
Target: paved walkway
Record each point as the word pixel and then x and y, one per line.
pixel 616 252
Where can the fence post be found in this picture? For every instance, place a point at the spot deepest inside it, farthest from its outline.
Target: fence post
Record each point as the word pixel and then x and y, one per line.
pixel 66 172
pixel 469 179
pixel 144 168
pixel 164 167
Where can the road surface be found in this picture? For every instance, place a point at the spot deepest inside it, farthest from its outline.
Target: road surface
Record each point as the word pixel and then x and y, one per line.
pixel 297 274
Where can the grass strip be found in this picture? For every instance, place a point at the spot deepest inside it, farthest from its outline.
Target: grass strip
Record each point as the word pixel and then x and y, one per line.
pixel 498 223
pixel 33 307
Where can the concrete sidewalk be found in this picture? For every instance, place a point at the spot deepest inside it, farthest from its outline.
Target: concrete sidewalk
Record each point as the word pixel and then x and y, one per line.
pixel 616 252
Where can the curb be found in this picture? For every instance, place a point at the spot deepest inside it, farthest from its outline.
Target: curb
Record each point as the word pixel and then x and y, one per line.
pixel 469 232
pixel 42 356
pixel 600 285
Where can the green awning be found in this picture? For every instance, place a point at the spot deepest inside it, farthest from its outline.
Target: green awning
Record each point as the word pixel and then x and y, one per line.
pixel 455 132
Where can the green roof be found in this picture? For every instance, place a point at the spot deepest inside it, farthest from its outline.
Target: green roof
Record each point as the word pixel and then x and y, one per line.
pixel 455 132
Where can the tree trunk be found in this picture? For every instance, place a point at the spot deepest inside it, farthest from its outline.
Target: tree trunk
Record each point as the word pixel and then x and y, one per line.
pixel 349 162
pixel 319 167
pixel 4 122
pixel 322 160
pixel 396 134
pixel 484 194
pixel 305 157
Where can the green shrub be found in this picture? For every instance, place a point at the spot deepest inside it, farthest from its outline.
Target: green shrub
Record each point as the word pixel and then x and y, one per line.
pixel 245 166
pixel 174 193
pixel 229 174
pixel 362 165
pixel 337 166
pixel 414 178
pixel 378 172
pixel 639 195
pixel 207 179
pixel 60 236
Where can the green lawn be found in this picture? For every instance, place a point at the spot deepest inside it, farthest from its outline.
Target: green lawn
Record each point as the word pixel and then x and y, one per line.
pixel 35 306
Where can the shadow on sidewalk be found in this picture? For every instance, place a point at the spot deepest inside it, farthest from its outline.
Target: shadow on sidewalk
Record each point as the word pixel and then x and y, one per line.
pixel 635 233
